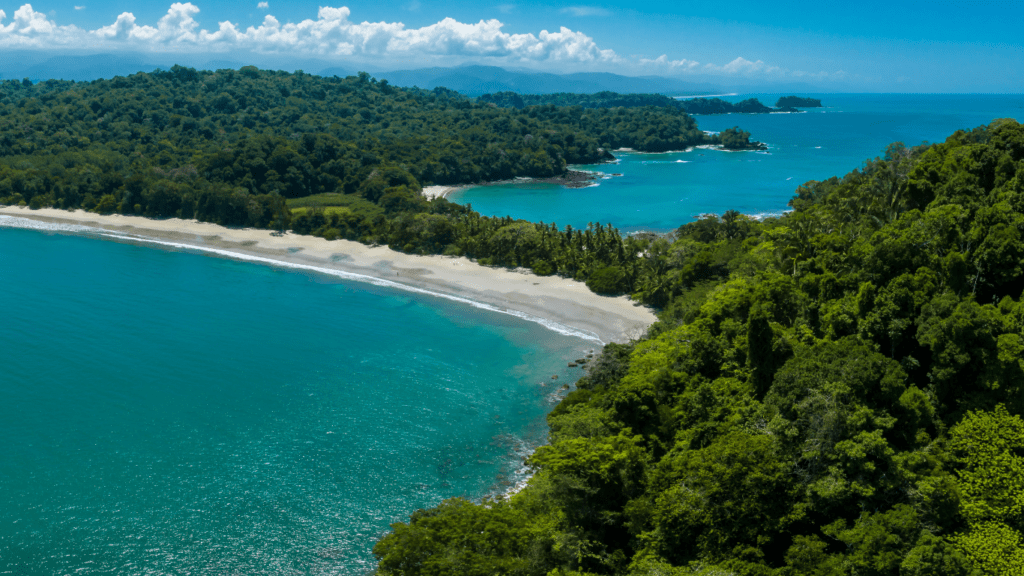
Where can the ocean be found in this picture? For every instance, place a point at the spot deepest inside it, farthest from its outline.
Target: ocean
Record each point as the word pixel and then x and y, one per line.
pixel 168 412
pixel 660 192
pixel 163 411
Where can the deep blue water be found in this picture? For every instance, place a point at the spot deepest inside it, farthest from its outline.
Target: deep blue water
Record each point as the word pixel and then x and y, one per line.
pixel 165 412
pixel 663 191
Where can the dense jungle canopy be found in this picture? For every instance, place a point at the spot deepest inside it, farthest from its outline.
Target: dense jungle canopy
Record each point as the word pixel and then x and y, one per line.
pixel 261 135
pixel 338 158
pixel 834 392
pixel 615 100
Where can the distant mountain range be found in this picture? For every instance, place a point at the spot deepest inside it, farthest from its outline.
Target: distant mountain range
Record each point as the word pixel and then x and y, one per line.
pixel 477 80
pixel 471 80
pixel 36 66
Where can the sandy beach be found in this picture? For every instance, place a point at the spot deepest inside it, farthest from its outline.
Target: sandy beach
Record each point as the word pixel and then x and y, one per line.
pixel 431 192
pixel 557 302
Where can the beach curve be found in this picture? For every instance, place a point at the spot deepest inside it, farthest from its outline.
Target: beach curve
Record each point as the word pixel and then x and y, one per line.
pixel 560 304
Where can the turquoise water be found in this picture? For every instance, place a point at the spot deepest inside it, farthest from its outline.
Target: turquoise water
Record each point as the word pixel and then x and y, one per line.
pixel 663 191
pixel 166 412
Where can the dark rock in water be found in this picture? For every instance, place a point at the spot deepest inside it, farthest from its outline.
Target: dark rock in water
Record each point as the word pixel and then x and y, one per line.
pixel 572 179
pixel 751 145
pixel 555 377
pixel 581 360
pixel 572 364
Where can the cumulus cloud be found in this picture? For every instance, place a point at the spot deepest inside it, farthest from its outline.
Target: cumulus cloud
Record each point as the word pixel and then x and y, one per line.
pixel 29 28
pixel 663 61
pixel 737 67
pixel 31 23
pixel 263 5
pixel 584 11
pixel 742 66
pixel 330 33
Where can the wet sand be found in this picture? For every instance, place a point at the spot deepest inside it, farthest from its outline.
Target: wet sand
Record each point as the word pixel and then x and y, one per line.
pixel 557 302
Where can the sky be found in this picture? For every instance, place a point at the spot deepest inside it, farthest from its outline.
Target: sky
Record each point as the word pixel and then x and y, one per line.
pixel 936 46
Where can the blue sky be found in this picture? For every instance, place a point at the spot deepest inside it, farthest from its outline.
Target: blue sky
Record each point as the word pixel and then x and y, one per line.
pixel 937 46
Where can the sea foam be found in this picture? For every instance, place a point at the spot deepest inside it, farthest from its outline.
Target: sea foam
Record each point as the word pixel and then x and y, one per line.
pixel 30 224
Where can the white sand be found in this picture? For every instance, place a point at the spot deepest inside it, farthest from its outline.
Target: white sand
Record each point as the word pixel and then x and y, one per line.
pixel 432 192
pixel 563 301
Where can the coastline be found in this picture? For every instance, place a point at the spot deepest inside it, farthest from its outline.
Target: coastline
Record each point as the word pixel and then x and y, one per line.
pixel 571 179
pixel 559 304
pixel 431 192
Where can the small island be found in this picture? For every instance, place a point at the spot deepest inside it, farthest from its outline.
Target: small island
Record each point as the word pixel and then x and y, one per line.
pixel 748 106
pixel 604 100
pixel 719 106
pixel 797 102
pixel 735 139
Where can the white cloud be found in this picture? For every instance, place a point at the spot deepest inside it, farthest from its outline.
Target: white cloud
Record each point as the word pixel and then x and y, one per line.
pixel 684 64
pixel 79 7
pixel 177 27
pixel 584 11
pixel 29 28
pixel 263 5
pixel 330 33
pixel 31 23
pixel 742 66
pixel 738 67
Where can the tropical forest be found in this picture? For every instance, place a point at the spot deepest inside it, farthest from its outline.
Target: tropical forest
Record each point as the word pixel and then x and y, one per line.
pixel 836 391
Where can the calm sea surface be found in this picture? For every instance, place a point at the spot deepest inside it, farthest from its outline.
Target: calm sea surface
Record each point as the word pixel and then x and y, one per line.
pixel 164 412
pixel 663 191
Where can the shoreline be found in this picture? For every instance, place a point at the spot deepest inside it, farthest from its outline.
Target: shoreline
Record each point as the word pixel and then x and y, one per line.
pixel 555 302
pixel 571 179
pixel 431 192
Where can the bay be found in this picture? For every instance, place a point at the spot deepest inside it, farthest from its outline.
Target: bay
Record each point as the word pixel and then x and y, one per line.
pixel 166 412
pixel 661 192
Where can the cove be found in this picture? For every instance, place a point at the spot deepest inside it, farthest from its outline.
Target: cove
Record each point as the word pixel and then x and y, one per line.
pixel 660 192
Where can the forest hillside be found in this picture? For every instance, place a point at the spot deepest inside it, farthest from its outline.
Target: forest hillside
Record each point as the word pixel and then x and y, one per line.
pixel 838 391
pixel 334 157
